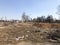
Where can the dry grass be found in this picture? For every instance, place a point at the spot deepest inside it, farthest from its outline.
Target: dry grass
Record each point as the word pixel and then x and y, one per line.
pixel 9 33
pixel 47 25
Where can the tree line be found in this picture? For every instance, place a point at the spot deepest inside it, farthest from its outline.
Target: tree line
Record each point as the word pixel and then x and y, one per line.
pixel 42 19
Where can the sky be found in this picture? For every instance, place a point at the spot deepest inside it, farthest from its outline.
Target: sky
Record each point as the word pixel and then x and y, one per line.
pixel 13 9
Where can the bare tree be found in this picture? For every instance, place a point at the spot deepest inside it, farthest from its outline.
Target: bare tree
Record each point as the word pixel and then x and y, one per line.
pixel 58 10
pixel 25 18
pixel 50 19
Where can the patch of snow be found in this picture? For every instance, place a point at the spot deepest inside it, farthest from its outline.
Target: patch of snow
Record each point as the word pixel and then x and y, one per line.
pixel 19 38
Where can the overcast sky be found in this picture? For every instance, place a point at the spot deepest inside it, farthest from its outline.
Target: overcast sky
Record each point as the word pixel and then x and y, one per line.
pixel 13 9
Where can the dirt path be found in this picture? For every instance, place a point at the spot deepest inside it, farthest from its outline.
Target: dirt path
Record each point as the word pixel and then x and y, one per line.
pixel 30 43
